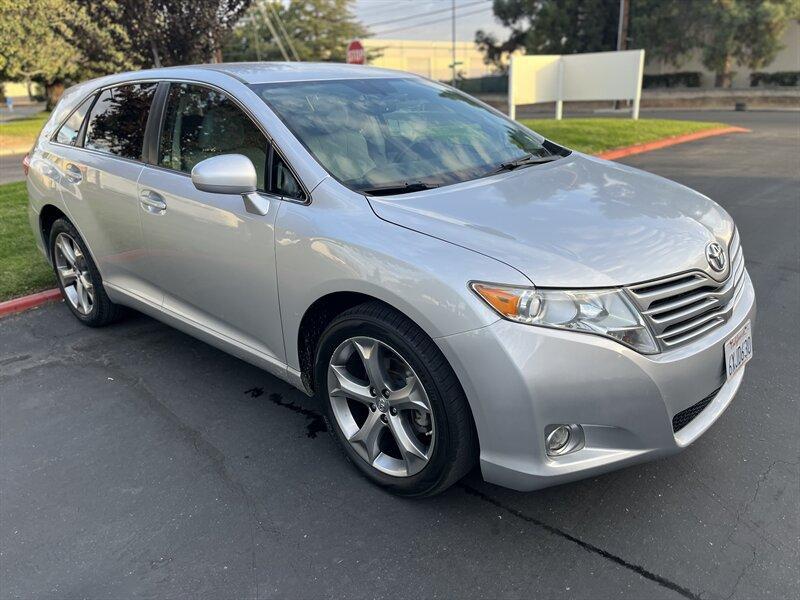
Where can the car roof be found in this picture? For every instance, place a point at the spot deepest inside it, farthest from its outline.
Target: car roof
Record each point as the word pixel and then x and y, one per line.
pixel 266 72
pixel 259 72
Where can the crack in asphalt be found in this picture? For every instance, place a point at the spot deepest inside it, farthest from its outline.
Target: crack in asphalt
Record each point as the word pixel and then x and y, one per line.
pixel 742 573
pixel 638 569
pixel 316 424
pixel 255 392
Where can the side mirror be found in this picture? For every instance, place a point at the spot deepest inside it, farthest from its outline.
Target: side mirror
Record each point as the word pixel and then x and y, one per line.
pixel 230 174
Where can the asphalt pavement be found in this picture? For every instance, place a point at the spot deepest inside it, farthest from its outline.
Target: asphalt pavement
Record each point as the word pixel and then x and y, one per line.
pixel 11 168
pixel 136 461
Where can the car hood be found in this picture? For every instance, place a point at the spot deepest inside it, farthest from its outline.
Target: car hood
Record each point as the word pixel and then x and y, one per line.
pixel 576 222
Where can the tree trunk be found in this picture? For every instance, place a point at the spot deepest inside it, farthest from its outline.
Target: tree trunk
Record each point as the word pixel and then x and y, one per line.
pixel 53 92
pixel 154 50
pixel 724 75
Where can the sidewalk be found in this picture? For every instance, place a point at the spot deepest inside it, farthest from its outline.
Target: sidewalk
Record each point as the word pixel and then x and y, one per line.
pixel 21 111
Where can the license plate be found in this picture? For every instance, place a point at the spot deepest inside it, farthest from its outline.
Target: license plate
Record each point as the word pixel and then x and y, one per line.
pixel 738 350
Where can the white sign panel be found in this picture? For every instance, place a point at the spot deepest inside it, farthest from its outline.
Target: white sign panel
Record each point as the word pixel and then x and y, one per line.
pixel 591 76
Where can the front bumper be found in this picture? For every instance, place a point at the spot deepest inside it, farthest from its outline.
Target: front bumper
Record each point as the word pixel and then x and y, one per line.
pixel 520 379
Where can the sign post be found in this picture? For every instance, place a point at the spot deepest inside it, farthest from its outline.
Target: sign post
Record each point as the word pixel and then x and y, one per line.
pixel 355 53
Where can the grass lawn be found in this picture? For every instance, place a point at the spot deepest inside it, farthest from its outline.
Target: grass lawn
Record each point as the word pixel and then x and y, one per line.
pixel 597 135
pixel 17 136
pixel 23 269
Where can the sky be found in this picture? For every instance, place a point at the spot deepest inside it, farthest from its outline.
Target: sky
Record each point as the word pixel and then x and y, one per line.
pixel 427 19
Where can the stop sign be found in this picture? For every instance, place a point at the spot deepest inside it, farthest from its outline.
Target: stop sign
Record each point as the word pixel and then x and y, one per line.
pixel 355 53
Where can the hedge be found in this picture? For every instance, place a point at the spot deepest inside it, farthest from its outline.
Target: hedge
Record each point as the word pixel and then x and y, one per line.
pixel 670 80
pixel 779 78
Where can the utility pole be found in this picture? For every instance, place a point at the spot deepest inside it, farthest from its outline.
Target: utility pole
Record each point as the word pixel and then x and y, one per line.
pixel 622 30
pixel 272 31
pixel 453 5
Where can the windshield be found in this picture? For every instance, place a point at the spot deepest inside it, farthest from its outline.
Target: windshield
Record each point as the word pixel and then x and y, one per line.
pixel 404 132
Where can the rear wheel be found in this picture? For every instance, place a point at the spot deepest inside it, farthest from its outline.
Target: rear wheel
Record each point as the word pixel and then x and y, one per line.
pixel 393 402
pixel 78 278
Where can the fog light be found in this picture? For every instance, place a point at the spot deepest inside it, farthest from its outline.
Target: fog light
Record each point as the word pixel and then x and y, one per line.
pixel 558 439
pixel 563 439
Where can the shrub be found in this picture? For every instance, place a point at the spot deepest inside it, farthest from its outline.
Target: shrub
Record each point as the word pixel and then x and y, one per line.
pixel 491 84
pixel 779 78
pixel 672 80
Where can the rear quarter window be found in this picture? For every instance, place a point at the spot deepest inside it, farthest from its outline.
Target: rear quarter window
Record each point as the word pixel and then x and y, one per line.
pixel 68 132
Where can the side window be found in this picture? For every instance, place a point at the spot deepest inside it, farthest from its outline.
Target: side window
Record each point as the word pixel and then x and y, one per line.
pixel 200 122
pixel 68 132
pixel 118 118
pixel 283 182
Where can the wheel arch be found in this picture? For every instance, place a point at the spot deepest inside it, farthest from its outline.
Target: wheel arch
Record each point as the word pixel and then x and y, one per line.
pixel 325 309
pixel 317 317
pixel 48 215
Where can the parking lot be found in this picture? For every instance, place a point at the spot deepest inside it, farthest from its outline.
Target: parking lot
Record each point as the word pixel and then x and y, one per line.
pixel 136 461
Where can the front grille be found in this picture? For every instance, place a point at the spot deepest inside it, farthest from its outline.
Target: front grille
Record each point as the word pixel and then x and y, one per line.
pixel 680 308
pixel 686 416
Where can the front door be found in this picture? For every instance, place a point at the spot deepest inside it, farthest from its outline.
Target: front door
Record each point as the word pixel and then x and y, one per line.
pixel 214 262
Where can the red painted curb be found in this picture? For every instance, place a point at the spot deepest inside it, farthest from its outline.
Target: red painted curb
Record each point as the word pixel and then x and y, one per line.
pixel 9 307
pixel 666 142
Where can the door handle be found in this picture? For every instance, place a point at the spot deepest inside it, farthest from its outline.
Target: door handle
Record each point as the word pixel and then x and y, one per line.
pixel 152 202
pixel 72 173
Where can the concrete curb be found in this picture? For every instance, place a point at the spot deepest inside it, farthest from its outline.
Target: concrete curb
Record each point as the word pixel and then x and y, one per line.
pixel 666 142
pixel 20 304
pixel 9 307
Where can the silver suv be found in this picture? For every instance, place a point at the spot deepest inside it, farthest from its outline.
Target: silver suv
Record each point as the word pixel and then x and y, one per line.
pixel 454 288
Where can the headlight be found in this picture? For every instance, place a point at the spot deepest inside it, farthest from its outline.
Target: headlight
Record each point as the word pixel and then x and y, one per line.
pixel 603 312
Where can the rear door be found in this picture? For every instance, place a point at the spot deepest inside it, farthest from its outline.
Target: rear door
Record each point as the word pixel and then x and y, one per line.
pixel 100 164
pixel 214 262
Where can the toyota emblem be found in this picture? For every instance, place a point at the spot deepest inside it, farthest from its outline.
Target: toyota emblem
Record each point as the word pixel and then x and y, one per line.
pixel 715 255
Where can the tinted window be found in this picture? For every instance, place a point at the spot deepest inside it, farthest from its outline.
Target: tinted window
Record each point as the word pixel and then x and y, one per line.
pixel 118 118
pixel 68 132
pixel 283 182
pixel 200 123
pixel 380 132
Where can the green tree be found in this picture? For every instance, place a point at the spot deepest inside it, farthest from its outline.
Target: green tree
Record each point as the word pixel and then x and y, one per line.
pixel 30 49
pixel 318 29
pixel 167 32
pixel 56 42
pixel 726 33
pixel 96 30
pixel 743 32
pixel 552 27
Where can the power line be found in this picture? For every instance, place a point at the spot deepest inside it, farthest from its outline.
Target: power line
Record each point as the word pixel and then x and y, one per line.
pixel 279 21
pixel 466 14
pixel 386 6
pixel 272 31
pixel 425 14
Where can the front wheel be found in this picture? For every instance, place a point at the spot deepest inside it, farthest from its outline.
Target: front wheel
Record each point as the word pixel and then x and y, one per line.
pixel 393 402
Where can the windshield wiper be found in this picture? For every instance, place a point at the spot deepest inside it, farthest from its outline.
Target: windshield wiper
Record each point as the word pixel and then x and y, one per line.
pixel 403 188
pixel 524 161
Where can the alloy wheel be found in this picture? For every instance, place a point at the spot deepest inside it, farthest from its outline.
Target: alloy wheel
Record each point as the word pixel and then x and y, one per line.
pixel 73 273
pixel 381 406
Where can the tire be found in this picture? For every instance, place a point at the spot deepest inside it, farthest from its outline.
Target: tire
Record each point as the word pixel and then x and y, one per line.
pixel 95 309
pixel 446 434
